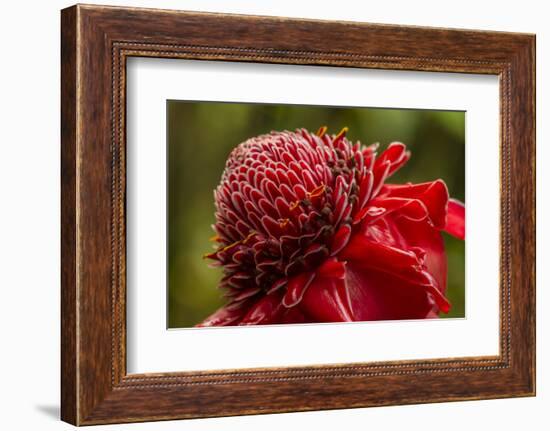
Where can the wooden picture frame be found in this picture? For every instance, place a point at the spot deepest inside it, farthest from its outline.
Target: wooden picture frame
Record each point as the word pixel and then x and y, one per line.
pixel 96 41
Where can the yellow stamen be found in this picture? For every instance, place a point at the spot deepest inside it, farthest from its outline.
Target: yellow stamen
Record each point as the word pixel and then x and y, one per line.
pixel 230 246
pixel 317 191
pixel 322 130
pixel 283 222
pixel 294 205
pixel 250 235
pixel 209 255
pixel 341 133
pixel 214 238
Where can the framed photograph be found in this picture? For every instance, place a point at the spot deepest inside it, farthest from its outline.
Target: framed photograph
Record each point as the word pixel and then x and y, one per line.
pixel 322 214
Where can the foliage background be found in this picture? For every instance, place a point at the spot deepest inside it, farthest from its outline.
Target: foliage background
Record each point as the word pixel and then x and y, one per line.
pixel 202 134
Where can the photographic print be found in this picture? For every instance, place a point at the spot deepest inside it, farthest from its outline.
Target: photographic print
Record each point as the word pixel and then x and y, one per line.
pixel 239 208
pixel 293 214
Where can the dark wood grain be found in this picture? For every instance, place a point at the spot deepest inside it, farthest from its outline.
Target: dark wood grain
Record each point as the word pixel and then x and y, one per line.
pixel 69 398
pixel 96 41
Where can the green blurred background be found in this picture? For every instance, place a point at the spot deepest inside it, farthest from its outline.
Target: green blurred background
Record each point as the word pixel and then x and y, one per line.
pixel 202 134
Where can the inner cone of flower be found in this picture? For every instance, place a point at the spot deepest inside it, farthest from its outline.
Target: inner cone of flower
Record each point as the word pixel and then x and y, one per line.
pixel 309 230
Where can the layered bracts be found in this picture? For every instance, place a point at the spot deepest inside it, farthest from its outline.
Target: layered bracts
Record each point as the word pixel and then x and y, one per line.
pixel 308 230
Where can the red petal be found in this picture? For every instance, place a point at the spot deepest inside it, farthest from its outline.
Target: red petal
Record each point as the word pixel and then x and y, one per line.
pixel 314 254
pixel 396 154
pixel 246 293
pixel 270 189
pixel 296 288
pixel 365 189
pixel 268 208
pixel 308 180
pixel 327 300
pixel 431 241
pixel 282 207
pixel 456 214
pixel 376 255
pixel 288 193
pixel 293 315
pixel 332 268
pixel 266 311
pixel 230 314
pixel 271 227
pixel 379 296
pixel 413 209
pixel 406 265
pixel 434 195
pixel 340 239
pixel 381 172
pixel 369 211
pixel 277 285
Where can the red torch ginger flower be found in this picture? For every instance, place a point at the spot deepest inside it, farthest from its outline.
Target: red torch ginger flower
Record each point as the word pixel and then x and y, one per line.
pixel 308 230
